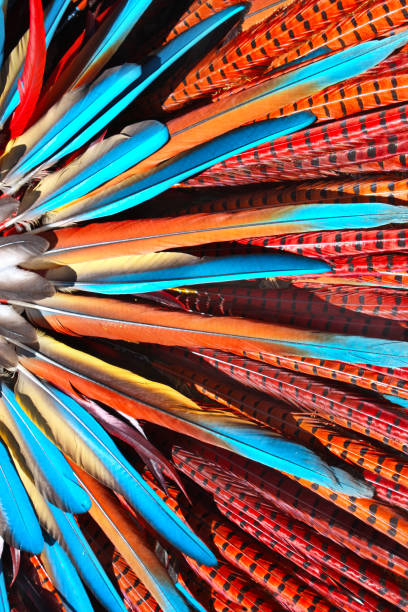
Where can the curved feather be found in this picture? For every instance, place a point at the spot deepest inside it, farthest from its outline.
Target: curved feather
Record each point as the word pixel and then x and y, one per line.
pixel 18 523
pixel 32 78
pixel 51 472
pixel 65 577
pixel 86 442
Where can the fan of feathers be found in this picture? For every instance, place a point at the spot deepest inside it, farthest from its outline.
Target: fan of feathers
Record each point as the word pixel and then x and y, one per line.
pixel 203 305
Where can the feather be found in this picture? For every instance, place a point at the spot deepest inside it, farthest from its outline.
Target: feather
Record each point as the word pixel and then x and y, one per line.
pixel 167 174
pixel 208 122
pixel 387 490
pixel 64 577
pixel 133 591
pixel 32 78
pixel 16 250
pixel 222 429
pixel 134 437
pixel 355 450
pixel 263 567
pixel 331 244
pixel 100 162
pixel 50 471
pixel 16 283
pixel 95 99
pixel 13 67
pixel 76 118
pixel 18 523
pixel 72 429
pixel 120 238
pixel 156 271
pixel 85 561
pixel 3 11
pixel 96 52
pixel 125 534
pixel 13 325
pixel 144 323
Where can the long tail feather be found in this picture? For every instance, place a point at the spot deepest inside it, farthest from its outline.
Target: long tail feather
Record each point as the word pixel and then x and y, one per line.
pixel 87 315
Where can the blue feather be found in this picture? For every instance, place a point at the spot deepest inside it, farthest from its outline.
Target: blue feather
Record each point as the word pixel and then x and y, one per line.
pixel 196 160
pixel 127 481
pixel 128 15
pixel 21 528
pixel 2 30
pixel 143 137
pixel 85 561
pixel 4 604
pixel 191 600
pixel 206 270
pixel 52 473
pixel 64 577
pixel 51 22
pixel 93 101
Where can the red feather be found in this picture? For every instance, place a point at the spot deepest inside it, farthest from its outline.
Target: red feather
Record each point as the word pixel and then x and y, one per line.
pixel 32 78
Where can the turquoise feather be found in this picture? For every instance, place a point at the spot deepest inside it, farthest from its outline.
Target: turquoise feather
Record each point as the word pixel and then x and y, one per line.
pixel 52 474
pixel 65 577
pixel 135 141
pixel 197 159
pixel 205 270
pixel 21 528
pixel 85 561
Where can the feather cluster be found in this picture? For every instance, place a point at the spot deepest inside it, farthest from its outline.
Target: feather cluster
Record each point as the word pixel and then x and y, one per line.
pixel 203 317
